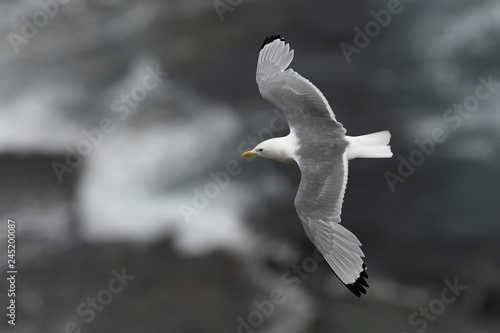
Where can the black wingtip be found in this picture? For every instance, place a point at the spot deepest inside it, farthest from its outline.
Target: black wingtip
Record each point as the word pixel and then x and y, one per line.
pixel 359 285
pixel 271 39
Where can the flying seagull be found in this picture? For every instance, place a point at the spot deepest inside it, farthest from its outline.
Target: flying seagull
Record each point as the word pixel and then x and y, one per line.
pixel 318 144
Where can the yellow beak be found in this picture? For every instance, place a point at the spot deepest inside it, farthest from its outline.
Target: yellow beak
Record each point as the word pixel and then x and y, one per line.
pixel 248 154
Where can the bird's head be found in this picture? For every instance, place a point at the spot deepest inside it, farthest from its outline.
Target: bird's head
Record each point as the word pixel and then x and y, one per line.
pixel 263 149
pixel 273 149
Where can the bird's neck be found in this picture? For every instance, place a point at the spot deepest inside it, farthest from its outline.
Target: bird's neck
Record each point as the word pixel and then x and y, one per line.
pixel 284 149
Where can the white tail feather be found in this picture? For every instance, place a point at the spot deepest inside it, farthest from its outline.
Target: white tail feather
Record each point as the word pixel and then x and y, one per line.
pixel 374 145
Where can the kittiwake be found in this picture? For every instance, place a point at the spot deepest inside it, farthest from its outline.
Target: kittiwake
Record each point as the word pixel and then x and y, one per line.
pixel 318 144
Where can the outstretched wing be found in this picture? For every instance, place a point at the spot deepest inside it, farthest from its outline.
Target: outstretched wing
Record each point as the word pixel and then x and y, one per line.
pixel 298 99
pixel 322 160
pixel 319 205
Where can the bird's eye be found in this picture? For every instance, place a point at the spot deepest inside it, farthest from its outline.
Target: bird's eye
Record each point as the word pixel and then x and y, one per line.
pixel 261 149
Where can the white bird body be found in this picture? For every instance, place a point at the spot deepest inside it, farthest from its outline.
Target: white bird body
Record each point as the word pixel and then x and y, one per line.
pixel 374 145
pixel 318 145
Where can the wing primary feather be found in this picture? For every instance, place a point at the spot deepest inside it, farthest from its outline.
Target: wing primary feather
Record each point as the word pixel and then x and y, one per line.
pixel 363 273
pixel 363 282
pixel 270 39
pixel 358 286
pixel 353 290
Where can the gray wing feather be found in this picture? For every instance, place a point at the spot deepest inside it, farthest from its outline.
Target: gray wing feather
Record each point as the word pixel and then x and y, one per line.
pixel 319 205
pixel 294 95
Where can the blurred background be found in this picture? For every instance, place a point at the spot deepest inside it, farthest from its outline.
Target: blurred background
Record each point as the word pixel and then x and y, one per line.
pixel 121 128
